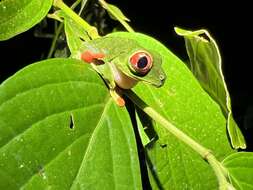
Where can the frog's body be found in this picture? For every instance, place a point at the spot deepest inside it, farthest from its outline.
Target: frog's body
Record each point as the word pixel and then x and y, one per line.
pixel 123 62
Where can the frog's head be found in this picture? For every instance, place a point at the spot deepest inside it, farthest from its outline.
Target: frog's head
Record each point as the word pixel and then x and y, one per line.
pixel 142 65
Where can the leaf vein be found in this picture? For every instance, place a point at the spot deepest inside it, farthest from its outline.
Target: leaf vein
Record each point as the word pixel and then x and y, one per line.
pixel 99 123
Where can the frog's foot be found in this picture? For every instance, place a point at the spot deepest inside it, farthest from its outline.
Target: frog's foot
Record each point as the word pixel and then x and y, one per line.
pixel 117 98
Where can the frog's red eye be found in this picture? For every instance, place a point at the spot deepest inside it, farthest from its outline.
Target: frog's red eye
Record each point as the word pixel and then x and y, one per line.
pixel 141 62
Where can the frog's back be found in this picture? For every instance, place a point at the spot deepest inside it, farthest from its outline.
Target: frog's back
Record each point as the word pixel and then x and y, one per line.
pixel 111 46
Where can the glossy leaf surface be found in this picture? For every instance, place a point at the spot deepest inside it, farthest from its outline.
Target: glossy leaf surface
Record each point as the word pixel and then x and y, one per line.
pixel 17 16
pixel 60 129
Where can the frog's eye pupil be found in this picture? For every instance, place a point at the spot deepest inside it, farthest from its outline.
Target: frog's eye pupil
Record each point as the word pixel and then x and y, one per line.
pixel 141 62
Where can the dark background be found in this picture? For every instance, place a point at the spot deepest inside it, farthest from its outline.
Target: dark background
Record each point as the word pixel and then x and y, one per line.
pixel 228 23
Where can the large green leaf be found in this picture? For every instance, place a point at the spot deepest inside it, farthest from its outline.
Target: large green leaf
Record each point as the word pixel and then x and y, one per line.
pixel 173 165
pixel 240 168
pixel 60 129
pixel 17 16
pixel 205 64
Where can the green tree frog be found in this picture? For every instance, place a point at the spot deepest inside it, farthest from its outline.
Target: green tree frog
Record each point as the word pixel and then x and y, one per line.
pixel 123 63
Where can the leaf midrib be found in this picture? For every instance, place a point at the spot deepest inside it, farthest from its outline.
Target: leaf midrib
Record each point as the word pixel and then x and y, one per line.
pixel 89 145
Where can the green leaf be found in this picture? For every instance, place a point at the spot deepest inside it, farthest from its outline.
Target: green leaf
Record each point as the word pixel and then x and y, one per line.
pixel 240 168
pixel 205 64
pixel 60 129
pixel 75 34
pixel 114 12
pixel 172 164
pixel 17 16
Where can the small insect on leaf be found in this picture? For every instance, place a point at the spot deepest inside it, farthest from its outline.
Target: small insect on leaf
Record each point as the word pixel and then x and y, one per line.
pixel 41 172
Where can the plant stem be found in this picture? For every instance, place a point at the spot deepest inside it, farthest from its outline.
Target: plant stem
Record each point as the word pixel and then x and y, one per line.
pixel 57 33
pixel 122 21
pixel 170 127
pixel 92 31
pixel 74 5
pixel 201 150
pixel 218 170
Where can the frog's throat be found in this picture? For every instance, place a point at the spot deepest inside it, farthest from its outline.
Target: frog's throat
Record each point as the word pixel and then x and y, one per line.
pixel 121 79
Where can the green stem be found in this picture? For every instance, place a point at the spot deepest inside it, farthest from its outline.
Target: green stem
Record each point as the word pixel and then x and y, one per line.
pixel 122 21
pixel 92 31
pixel 82 6
pixel 170 127
pixel 218 170
pixel 201 150
pixel 57 33
pixel 74 5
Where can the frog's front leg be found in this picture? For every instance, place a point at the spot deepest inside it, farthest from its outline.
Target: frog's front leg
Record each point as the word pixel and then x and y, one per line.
pixel 116 96
pixel 106 72
pixel 115 91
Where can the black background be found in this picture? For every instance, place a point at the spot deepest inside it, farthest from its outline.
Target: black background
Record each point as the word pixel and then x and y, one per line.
pixel 229 23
